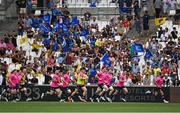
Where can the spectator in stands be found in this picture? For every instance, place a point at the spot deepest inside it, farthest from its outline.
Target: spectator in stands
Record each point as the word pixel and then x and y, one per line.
pixel 137 9
pixel 87 16
pixel 166 6
pixel 22 6
pixel 121 4
pixel 146 21
pixel 137 24
pixel 177 17
pixel 158 7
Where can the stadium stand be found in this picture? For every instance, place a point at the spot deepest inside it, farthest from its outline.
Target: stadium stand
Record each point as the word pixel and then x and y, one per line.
pixel 61 38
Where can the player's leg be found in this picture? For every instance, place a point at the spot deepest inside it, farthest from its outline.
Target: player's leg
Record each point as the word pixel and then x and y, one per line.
pixel 84 89
pixel 84 92
pixel 13 94
pixel 101 94
pixel 58 92
pixel 96 94
pixel 5 94
pixel 125 91
pixel 110 94
pixel 162 96
pixel 64 94
pixel 70 98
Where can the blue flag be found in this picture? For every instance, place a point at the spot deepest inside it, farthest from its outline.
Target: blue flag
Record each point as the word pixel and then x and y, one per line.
pixel 93 4
pixel 75 21
pixel 148 54
pixel 55 46
pixel 65 46
pixel 65 28
pixel 138 48
pixel 57 27
pixel 55 12
pixel 44 28
pixel 105 60
pixel 47 41
pixel 85 33
pixel 36 22
pixel 47 18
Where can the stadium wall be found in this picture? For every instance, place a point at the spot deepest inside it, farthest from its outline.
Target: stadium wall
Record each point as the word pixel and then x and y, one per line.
pixel 135 94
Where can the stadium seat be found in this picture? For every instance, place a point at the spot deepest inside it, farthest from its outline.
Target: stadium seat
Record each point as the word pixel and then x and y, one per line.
pixel 72 3
pixel 84 3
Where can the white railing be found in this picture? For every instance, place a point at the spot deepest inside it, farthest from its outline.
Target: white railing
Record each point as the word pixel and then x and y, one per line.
pixel 85 3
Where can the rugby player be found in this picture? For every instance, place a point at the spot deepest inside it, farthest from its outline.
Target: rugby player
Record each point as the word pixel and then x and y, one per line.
pixel 121 86
pixel 81 86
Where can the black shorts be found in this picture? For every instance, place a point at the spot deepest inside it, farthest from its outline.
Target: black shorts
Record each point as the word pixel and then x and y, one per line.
pixel 158 89
pixel 120 88
pixel 22 86
pixel 64 89
pixel 17 86
pixel 79 87
pixel 100 86
pixel 54 88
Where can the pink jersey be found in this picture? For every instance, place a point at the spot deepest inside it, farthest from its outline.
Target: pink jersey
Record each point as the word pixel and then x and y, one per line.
pixel 122 79
pixel 55 81
pixel 13 80
pixel 101 76
pixel 108 79
pixel 19 75
pixel 66 80
pixel 159 82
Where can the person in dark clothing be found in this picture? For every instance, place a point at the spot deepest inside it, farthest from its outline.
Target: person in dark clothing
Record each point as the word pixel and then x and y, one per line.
pixel 87 16
pixel 138 24
pixel 146 21
pixel 137 9
pixel 34 80
pixel 157 6
pixel 174 33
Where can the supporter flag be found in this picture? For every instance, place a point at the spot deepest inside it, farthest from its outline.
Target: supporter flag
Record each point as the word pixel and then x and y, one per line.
pixel 47 18
pixel 65 28
pixel 148 54
pixel 93 4
pixel 105 60
pixel 85 33
pixel 159 21
pixel 24 40
pixel 57 27
pixel 75 21
pixel 47 41
pixel 135 48
pixel 55 12
pixel 65 46
pixel 55 46
pixel 45 28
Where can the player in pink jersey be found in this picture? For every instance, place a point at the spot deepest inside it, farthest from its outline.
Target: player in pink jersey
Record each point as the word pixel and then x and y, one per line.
pixel 64 88
pixel 121 85
pixel 108 86
pixel 159 87
pixel 13 83
pixel 55 84
pixel 99 91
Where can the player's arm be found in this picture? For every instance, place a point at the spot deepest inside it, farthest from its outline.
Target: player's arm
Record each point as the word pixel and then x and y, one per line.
pixel 11 82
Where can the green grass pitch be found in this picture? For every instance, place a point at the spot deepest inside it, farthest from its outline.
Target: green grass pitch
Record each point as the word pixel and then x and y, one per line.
pixel 87 107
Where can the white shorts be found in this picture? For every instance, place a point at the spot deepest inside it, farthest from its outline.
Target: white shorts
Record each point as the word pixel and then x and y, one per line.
pixel 22 10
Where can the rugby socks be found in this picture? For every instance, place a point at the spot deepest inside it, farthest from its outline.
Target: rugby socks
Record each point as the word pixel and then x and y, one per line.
pixel 124 95
pixel 95 96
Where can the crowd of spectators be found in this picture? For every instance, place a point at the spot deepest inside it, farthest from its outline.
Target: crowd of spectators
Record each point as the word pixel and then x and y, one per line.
pixel 62 42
